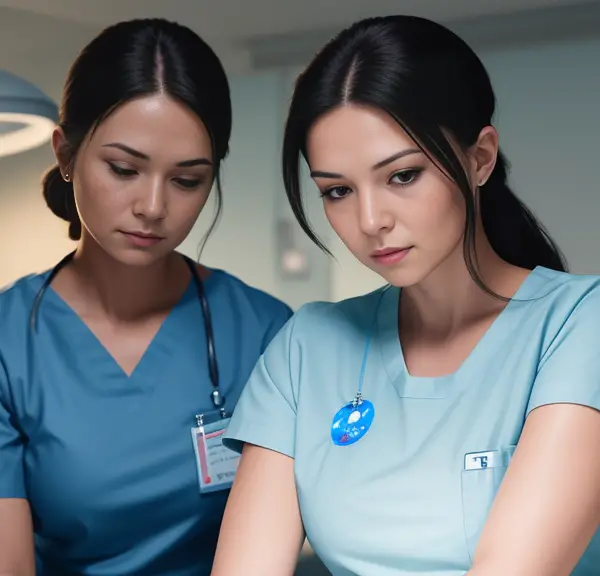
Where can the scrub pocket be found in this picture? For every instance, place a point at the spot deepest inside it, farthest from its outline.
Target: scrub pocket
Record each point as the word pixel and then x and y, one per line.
pixel 479 488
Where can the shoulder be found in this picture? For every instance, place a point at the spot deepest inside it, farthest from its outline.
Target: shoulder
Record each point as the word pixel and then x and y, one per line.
pixel 345 319
pixel 252 299
pixel 560 295
pixel 565 309
pixel 16 304
pixel 17 298
pixel 320 337
pixel 250 308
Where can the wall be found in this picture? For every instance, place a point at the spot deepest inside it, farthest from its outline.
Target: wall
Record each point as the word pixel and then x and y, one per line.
pixel 30 237
pixel 246 243
pixel 242 243
pixel 547 119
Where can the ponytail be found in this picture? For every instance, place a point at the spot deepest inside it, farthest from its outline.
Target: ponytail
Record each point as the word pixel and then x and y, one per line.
pixel 512 230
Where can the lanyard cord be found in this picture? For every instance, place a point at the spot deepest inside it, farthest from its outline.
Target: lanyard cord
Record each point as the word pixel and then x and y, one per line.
pixel 363 367
pixel 216 397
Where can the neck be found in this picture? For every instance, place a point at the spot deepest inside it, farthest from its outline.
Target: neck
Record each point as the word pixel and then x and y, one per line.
pixel 122 292
pixel 449 299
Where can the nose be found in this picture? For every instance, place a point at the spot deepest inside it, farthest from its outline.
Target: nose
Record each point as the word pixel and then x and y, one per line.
pixel 373 214
pixel 152 202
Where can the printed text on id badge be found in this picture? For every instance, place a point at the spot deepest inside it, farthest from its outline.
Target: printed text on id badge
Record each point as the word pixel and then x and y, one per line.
pixel 216 464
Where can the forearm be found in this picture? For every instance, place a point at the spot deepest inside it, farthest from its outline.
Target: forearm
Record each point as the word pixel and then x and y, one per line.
pixel 498 570
pixel 506 566
pixel 21 571
pixel 490 571
pixel 261 533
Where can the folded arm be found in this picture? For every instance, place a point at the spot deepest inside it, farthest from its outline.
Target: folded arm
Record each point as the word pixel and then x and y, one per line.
pixel 548 506
pixel 16 538
pixel 262 532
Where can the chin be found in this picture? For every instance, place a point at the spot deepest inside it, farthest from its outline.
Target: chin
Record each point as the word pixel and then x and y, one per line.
pixel 407 275
pixel 400 275
pixel 138 258
pixel 401 278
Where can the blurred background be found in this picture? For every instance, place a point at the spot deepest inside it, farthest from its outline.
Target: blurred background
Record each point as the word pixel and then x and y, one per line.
pixel 540 54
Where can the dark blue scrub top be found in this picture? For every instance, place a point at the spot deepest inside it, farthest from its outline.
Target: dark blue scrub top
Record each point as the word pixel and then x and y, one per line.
pixel 105 459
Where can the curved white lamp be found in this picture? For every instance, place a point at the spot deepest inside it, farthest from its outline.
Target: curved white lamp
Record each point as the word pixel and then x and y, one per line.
pixel 27 115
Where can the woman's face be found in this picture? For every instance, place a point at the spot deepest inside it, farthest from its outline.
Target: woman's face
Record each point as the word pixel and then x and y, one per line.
pixel 389 204
pixel 142 178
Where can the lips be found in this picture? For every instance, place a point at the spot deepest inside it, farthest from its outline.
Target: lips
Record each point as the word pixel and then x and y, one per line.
pixel 147 235
pixel 142 239
pixel 389 256
pixel 388 251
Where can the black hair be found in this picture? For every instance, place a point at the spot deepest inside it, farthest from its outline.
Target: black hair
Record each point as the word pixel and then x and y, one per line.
pixel 130 60
pixel 431 82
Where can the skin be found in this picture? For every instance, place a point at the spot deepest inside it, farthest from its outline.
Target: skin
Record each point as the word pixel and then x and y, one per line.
pixel 127 177
pixel 124 292
pixel 373 202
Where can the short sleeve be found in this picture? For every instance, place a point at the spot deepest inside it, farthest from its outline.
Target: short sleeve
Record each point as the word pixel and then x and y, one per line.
pixel 569 371
pixel 12 481
pixel 265 414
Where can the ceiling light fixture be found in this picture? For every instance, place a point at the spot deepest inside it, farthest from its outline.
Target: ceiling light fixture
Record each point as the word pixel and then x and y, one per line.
pixel 27 115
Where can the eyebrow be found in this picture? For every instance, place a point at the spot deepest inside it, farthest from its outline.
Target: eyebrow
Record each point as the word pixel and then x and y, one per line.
pixel 142 156
pixel 379 165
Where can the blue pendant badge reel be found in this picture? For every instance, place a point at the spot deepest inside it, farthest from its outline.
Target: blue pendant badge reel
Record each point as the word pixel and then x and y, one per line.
pixel 353 420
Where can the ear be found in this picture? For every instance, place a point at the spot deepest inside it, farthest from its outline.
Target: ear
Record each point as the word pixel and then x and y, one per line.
pixel 63 153
pixel 483 156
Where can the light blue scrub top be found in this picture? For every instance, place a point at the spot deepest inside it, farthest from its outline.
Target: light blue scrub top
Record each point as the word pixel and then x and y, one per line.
pixel 105 460
pixel 399 502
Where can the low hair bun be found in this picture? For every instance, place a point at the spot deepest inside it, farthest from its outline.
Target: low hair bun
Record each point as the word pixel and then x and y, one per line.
pixel 60 198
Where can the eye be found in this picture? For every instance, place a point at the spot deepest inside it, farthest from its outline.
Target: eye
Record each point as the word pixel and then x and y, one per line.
pixel 406 177
pixel 120 171
pixel 336 192
pixel 188 183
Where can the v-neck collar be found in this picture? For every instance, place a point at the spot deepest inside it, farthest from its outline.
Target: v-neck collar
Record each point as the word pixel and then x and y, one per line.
pixel 99 356
pixel 424 387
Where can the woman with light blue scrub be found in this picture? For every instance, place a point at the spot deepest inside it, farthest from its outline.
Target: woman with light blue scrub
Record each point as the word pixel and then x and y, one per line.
pixel 449 423
pixel 119 368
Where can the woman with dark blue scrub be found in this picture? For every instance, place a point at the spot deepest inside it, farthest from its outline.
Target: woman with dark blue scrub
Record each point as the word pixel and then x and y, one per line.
pixel 119 367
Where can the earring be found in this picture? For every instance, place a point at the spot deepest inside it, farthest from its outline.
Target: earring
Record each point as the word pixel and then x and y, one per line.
pixel 66 176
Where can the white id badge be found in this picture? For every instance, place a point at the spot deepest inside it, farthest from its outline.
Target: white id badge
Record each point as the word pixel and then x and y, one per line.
pixel 215 463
